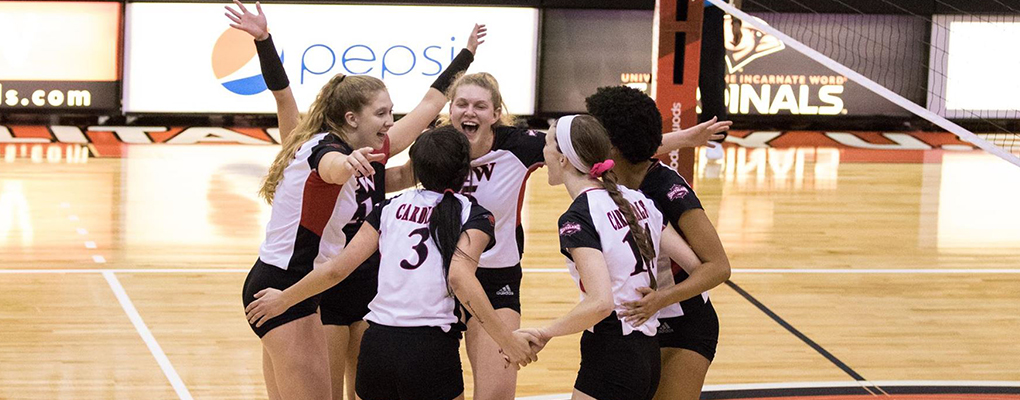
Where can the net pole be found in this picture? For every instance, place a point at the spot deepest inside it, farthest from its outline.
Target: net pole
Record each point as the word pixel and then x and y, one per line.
pixel 676 49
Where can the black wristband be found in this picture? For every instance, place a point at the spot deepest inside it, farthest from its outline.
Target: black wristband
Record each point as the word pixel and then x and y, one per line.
pixel 458 65
pixel 272 66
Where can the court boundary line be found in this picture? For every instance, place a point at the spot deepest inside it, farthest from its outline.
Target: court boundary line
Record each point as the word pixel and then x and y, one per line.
pixel 183 393
pixel 146 334
pixel 863 271
pixel 950 383
pixel 800 335
pixel 821 384
pixel 876 271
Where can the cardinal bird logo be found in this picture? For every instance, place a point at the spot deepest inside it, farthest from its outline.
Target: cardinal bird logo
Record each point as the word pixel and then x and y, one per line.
pixel 753 45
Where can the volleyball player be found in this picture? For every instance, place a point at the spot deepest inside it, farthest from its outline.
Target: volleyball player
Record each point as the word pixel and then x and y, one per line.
pixel 503 156
pixel 430 240
pixel 689 327
pixel 611 237
pixel 343 307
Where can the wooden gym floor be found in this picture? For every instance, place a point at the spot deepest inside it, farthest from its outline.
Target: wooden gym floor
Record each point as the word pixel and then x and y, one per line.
pixel 121 278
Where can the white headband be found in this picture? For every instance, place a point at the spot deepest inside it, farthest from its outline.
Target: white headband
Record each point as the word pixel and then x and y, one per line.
pixel 567 146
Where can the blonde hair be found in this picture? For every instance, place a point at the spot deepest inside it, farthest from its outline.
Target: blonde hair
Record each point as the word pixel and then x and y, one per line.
pixel 488 82
pixel 342 94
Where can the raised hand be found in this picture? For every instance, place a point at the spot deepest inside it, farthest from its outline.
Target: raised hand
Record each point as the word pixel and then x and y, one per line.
pixel 254 24
pixel 640 311
pixel 477 37
pixel 701 134
pixel 268 304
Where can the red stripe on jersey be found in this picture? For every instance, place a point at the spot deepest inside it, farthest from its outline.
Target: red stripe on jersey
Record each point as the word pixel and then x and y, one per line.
pixel 673 266
pixel 524 185
pixel 317 202
pixel 384 150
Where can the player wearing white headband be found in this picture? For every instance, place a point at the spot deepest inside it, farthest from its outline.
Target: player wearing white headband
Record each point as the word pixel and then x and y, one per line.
pixel 610 236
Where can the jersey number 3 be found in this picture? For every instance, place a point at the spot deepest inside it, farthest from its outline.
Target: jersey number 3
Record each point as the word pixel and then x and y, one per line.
pixel 420 248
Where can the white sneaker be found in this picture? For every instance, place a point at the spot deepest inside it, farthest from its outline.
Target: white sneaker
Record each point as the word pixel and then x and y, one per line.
pixel 714 151
pixel 713 170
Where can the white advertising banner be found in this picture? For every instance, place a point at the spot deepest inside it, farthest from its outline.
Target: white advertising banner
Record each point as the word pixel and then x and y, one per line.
pixel 59 41
pixel 973 61
pixel 184 58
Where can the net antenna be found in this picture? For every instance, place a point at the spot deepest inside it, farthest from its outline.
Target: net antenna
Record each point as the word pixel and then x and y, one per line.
pixel 1006 138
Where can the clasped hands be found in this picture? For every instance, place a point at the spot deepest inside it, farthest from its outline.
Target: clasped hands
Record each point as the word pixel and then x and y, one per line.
pixel 524 346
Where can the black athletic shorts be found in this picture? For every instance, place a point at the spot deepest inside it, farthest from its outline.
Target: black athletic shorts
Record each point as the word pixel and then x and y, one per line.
pixel 502 286
pixel 618 367
pixel 416 363
pixel 697 330
pixel 264 276
pixel 347 302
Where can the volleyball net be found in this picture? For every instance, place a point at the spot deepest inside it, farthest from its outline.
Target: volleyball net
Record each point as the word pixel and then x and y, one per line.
pixel 951 69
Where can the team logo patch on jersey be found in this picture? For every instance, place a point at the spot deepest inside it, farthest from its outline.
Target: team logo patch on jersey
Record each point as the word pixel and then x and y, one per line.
pixel 570 228
pixel 677 192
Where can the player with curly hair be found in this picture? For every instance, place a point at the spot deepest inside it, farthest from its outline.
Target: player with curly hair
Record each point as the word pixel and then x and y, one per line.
pixel 689 327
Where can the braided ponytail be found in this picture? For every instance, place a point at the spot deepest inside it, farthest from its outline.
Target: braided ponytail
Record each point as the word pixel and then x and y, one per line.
pixel 591 142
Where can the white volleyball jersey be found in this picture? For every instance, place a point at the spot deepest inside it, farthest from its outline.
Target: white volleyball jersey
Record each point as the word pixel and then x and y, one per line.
pixel 594 221
pixel 412 287
pixel 497 182
pixel 306 224
pixel 673 196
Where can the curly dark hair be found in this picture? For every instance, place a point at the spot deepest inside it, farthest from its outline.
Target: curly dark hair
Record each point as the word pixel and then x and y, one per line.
pixel 631 118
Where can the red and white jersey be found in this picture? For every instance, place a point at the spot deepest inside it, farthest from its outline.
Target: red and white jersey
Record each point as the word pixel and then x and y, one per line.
pixel 497 181
pixel 306 225
pixel 412 286
pixel 594 221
